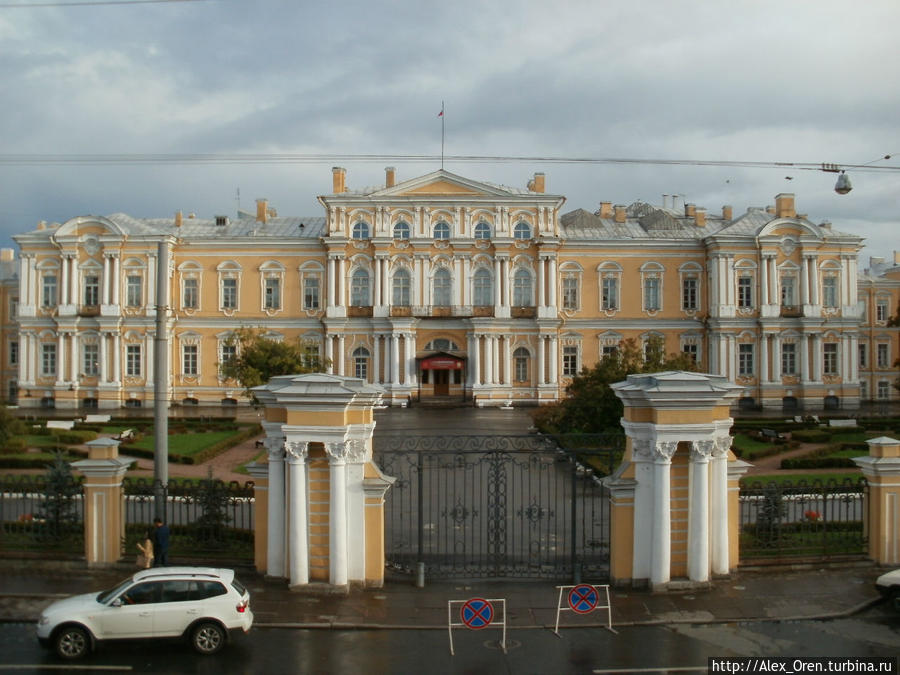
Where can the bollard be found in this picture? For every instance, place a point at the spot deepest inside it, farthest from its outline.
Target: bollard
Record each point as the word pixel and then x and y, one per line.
pixel 420 575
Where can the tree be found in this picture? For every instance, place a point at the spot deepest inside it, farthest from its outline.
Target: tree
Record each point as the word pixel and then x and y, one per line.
pixel 591 405
pixel 9 426
pixel 58 509
pixel 259 358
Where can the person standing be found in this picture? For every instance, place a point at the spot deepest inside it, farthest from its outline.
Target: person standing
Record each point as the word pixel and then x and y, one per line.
pixel 160 543
pixel 145 557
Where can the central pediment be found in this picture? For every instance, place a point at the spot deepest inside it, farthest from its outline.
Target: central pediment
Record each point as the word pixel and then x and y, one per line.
pixel 443 183
pixel 441 187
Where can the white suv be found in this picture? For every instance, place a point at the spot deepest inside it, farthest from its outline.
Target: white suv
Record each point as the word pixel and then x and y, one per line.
pixel 199 603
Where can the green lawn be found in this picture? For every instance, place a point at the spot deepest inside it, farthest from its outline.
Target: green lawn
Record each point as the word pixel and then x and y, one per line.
pixel 751 447
pixel 188 444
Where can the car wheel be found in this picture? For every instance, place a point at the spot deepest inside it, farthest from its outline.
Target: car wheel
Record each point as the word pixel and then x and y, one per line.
pixel 72 642
pixel 208 638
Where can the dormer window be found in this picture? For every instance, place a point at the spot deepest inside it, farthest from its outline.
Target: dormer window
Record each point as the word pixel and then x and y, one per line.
pixel 221 221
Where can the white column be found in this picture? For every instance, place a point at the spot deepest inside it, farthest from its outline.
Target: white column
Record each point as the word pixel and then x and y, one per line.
pixel 554 360
pixel 852 282
pixel 495 347
pixel 64 280
pixel 698 514
pixel 804 281
pixel 713 267
pixel 341 282
pixel 377 301
pixel 73 357
pixel 104 357
pixel 298 537
pixel 329 352
pixel 341 359
pixel 411 377
pixel 148 359
pixel 117 357
pixel 730 282
pixel 845 281
pixel 814 281
pixel 776 358
pixel 376 358
pixel 464 282
pixel 115 280
pixel 395 359
pixel 104 286
pixel 719 506
pixel 723 356
pixel 24 292
pixel 541 368
pixel 817 357
pixel 497 286
pixel 551 301
pixel 275 542
pixel 732 357
pixel 60 358
pixel 488 360
pixel 151 282
pixel 541 284
pixel 74 281
pixel 507 360
pixel 337 517
pixel 475 358
pixel 507 291
pixel 804 358
pixel 773 281
pixel 854 359
pixel 456 283
pixel 715 365
pixel 661 568
pixel 331 281
pixel 764 358
pixel 764 282
pixel 417 282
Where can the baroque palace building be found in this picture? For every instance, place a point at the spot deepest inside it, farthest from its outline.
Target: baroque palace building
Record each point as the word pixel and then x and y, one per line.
pixel 442 287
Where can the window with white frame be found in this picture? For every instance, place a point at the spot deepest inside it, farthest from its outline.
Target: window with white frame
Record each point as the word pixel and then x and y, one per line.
pixel 441 230
pixel 229 292
pixel 690 286
pixel 133 360
pixel 788 292
pixel 401 289
pixel 690 345
pixel 570 360
pixel 311 353
pixel 883 355
pixel 482 230
pixel 190 293
pixel 91 290
pixel 48 359
pixel 830 291
pixel 522 288
pixel 830 358
pixel 522 230
pixel 653 346
pixel 863 355
pixel 881 310
pixel 863 390
pixel 272 293
pixel 13 353
pixel 190 359
pixel 48 290
pixel 570 291
pixel 133 288
pixel 745 292
pixel 359 288
pixel 482 288
pixel 227 351
pixel 610 293
pixel 90 362
pixel 361 230
pixel 884 390
pixel 788 358
pixel 361 363
pixel 440 287
pixel 401 230
pixel 745 359
pixel 651 293
pixel 608 351
pixel 311 291
pixel 520 359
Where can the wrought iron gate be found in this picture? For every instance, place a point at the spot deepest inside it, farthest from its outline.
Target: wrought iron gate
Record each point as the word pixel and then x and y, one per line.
pixel 498 506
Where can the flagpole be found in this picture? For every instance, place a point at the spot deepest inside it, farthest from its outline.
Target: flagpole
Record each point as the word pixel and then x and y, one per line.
pixel 442 135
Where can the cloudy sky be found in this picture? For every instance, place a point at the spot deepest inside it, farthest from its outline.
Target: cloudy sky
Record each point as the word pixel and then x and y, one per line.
pixel 779 81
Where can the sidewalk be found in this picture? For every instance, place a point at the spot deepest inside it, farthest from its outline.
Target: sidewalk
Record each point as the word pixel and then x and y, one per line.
pixel 26 588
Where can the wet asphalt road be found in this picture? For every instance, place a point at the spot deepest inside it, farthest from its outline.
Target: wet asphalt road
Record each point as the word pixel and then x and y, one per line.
pixel 678 648
pixel 475 421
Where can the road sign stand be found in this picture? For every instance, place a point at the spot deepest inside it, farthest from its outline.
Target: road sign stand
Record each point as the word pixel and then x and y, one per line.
pixel 584 599
pixel 477 614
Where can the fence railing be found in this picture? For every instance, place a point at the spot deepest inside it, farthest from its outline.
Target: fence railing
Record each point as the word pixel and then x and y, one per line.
pixel 41 515
pixel 817 519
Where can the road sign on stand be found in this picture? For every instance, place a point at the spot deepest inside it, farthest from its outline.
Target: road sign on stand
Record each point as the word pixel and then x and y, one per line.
pixel 584 599
pixel 477 614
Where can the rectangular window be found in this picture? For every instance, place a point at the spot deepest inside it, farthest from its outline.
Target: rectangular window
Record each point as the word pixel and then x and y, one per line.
pixel 48 359
pixel 311 292
pixel 745 359
pixel 829 292
pixel 745 292
pixel 570 293
pixel 884 390
pixel 570 361
pixel 229 351
pixel 273 294
pixel 881 310
pixel 609 350
pixel 651 294
pixel 521 369
pixel 133 291
pixel 830 354
pixel 229 293
pixel 610 300
pixel 189 359
pixel 361 367
pixel 190 296
pixel 91 291
pixel 789 359
pixel 311 355
pixel 133 360
pixel 14 353
pixel 48 291
pixel 689 294
pixel 692 350
pixel 91 360
pixel 863 356
pixel 883 355
pixel 482 289
pixel 400 289
pixel 863 390
pixel 787 292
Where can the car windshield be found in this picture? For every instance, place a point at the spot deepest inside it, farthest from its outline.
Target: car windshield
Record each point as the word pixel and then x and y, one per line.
pixel 106 596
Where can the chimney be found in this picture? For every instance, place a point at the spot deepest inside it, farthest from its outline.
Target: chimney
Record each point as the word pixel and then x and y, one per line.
pixel 262 210
pixel 605 210
pixel 390 177
pixel 727 212
pixel 7 254
pixel 896 256
pixel 620 213
pixel 875 260
pixel 537 185
pixel 690 210
pixel 178 218
pixel 339 179
pixel 784 205
pixel 700 217
pixel 665 201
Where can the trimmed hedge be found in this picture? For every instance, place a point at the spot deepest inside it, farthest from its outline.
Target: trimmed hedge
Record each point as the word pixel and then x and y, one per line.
pixel 811 435
pixel 818 463
pixel 75 436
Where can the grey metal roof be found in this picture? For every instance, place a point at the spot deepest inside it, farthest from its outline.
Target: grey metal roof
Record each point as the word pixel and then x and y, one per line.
pixel 652 223
pixel 206 228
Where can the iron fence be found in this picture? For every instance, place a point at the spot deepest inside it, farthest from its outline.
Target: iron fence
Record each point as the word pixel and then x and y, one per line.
pixel 37 514
pixel 818 519
pixel 498 506
pixel 207 518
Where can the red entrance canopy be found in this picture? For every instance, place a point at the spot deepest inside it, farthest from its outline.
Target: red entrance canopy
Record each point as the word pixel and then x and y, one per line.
pixel 442 362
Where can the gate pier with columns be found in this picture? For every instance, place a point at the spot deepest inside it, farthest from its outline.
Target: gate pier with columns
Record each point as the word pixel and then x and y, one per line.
pixel 674 512
pixel 323 519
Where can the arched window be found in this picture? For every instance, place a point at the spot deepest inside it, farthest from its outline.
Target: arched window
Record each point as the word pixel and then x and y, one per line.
pixel 361 363
pixel 441 230
pixel 359 288
pixel 520 359
pixel 441 288
pixel 401 230
pixel 522 230
pixel 522 288
pixel 400 288
pixel 482 288
pixel 361 230
pixel 482 230
pixel 441 345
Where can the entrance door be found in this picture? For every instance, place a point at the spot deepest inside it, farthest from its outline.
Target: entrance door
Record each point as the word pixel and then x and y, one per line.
pixel 441 382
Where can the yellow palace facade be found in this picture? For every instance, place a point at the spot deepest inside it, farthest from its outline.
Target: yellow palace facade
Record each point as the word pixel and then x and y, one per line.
pixel 450 289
